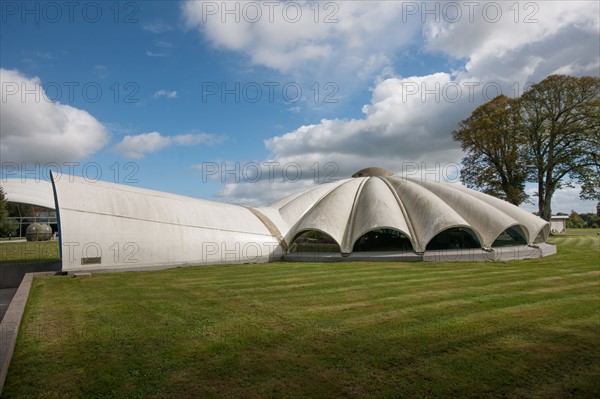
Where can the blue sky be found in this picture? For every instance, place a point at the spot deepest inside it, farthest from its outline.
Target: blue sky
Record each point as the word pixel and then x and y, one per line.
pixel 169 94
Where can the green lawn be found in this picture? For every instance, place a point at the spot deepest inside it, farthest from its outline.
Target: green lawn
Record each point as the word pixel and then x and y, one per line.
pixel 582 231
pixel 381 330
pixel 24 252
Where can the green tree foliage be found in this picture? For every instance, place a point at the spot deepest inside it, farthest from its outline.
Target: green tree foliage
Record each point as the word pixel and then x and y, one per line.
pixel 3 205
pixel 495 150
pixel 590 189
pixel 591 220
pixel 6 226
pixel 549 136
pixel 575 221
pixel 561 123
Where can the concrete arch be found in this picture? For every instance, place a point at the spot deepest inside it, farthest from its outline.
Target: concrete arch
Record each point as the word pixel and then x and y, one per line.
pixel 294 245
pixel 410 243
pixel 519 229
pixel 532 224
pixel 332 213
pixel 482 217
pixel 468 232
pixel 376 207
pixel 544 232
pixel 430 214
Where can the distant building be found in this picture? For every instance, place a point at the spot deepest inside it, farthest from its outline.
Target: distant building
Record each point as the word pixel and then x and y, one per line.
pixel 30 202
pixel 558 224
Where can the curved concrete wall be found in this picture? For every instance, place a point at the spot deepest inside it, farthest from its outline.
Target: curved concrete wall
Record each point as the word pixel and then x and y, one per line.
pixel 29 192
pixel 111 226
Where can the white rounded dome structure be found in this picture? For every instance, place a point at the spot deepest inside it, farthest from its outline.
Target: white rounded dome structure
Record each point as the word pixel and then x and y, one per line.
pixel 426 215
pixel 372 216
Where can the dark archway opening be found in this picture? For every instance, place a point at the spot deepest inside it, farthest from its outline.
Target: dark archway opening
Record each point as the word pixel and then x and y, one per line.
pixel 382 240
pixel 539 239
pixel 454 238
pixel 314 241
pixel 510 237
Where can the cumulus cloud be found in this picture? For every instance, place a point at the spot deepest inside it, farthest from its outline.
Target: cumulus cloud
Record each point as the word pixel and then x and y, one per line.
pixel 526 42
pixel 334 40
pixel 261 192
pixel 165 93
pixel 409 119
pixel 35 129
pixel 137 146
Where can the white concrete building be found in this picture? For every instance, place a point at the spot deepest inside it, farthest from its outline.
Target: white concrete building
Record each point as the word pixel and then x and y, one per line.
pixel 374 216
pixel 30 201
pixel 558 224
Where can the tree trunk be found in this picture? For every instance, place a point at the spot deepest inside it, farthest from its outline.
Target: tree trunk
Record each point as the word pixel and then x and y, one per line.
pixel 541 197
pixel 546 213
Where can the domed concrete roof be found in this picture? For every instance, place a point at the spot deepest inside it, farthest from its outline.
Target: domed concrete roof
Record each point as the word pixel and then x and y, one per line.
pixel 420 210
pixel 372 171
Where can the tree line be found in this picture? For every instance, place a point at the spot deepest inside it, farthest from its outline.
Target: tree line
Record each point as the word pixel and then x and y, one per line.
pixel 550 136
pixel 584 220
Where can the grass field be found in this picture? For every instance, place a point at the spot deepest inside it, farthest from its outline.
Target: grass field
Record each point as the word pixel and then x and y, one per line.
pixel 382 330
pixel 25 252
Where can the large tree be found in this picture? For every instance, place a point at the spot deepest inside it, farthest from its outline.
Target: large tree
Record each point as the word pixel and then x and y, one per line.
pixel 495 148
pixel 561 123
pixel 3 205
pixel 6 226
pixel 550 136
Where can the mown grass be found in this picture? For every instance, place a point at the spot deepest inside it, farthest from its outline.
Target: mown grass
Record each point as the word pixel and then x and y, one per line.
pixel 382 330
pixel 26 252
pixel 571 231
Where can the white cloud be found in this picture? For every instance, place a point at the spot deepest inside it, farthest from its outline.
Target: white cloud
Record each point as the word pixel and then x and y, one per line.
pixel 396 127
pixel 163 44
pixel 409 120
pixel 157 27
pixel 101 70
pixel 564 200
pixel 137 146
pixel 260 193
pixel 153 54
pixel 35 129
pixel 165 93
pixel 547 37
pixel 328 40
